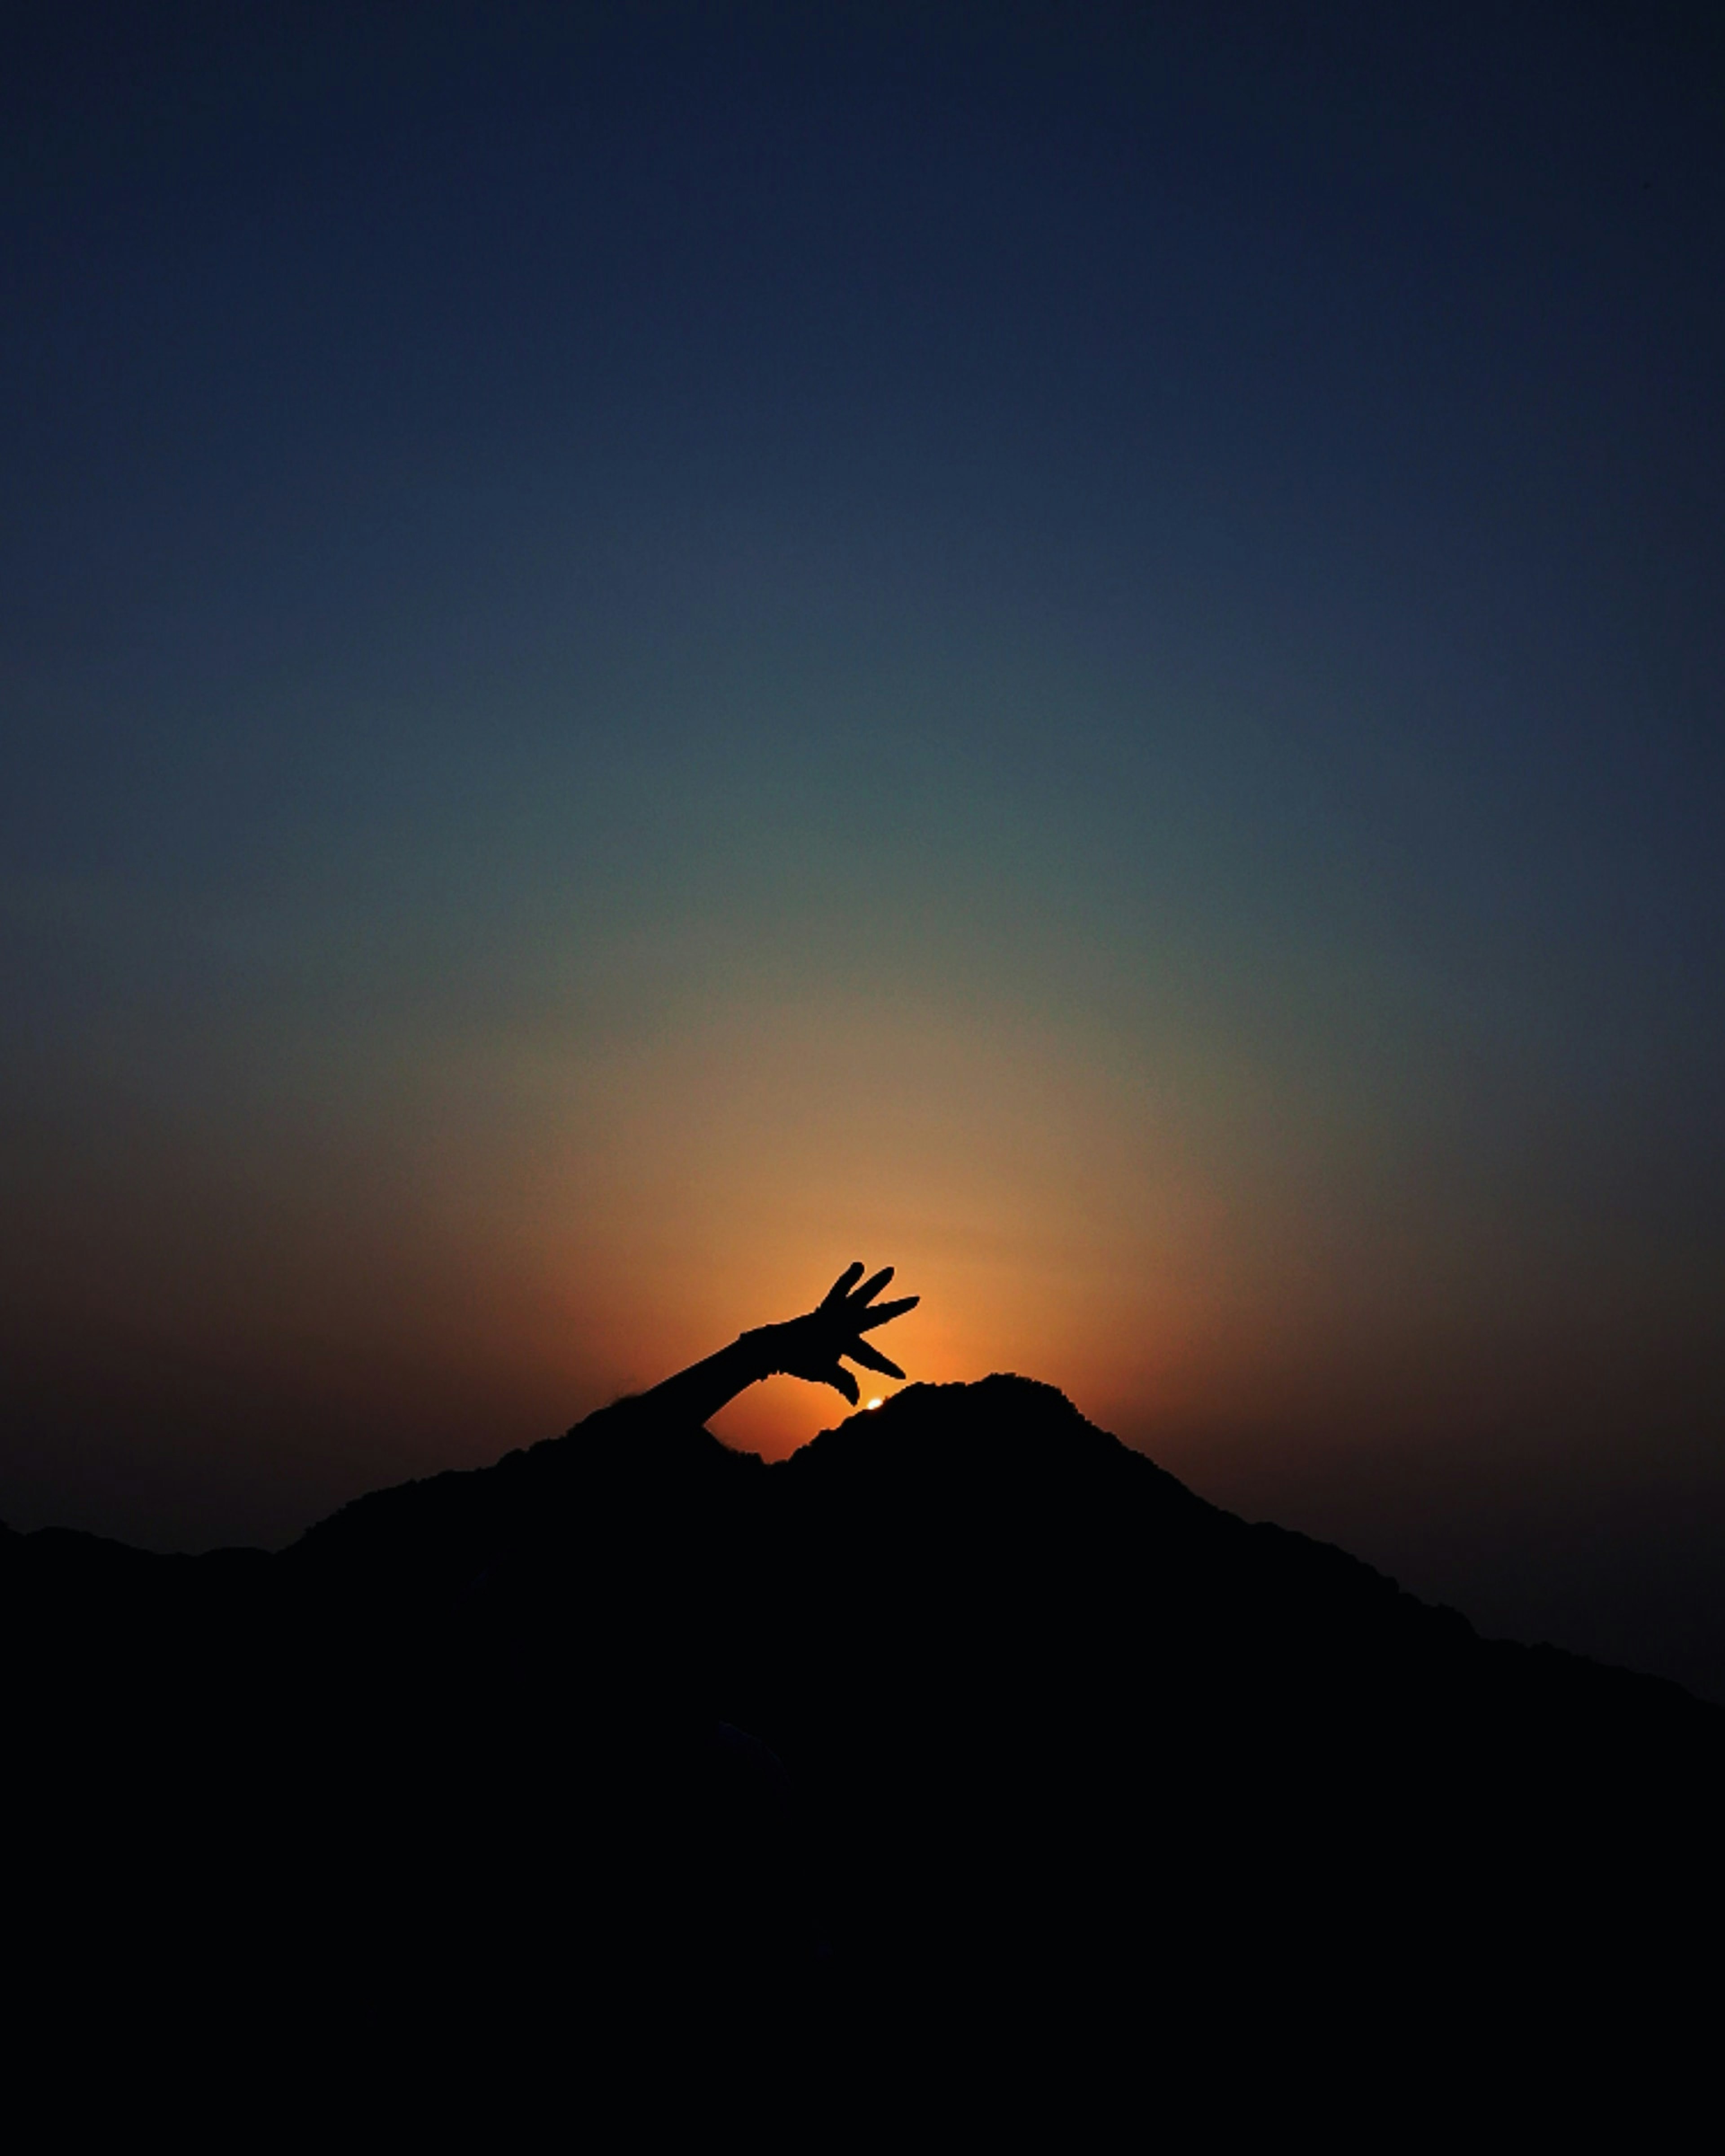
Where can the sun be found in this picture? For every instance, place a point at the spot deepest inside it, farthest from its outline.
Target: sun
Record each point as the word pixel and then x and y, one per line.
pixel 874 1403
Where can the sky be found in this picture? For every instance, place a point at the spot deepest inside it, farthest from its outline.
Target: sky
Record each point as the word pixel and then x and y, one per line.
pixel 644 650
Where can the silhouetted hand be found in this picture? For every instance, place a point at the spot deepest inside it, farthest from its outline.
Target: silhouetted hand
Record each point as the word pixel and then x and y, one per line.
pixel 810 1346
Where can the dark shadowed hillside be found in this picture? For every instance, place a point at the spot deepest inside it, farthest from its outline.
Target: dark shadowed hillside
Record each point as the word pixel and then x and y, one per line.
pixel 965 1721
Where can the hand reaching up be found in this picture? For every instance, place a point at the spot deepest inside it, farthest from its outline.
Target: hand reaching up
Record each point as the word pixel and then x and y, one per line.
pixel 810 1346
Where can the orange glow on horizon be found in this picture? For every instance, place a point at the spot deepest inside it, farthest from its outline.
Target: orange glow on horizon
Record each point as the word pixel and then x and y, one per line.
pixel 517 1230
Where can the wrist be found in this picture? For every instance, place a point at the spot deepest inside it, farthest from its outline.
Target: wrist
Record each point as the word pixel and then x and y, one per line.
pixel 765 1347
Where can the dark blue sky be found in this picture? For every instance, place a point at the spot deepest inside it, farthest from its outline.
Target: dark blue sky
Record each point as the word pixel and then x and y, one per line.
pixel 636 643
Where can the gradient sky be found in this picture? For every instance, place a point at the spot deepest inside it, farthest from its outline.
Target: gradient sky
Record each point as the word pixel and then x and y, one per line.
pixel 643 651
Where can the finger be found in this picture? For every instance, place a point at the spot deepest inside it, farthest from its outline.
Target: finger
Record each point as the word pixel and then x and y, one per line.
pixel 841 1286
pixel 871 1359
pixel 870 1288
pixel 841 1381
pixel 884 1313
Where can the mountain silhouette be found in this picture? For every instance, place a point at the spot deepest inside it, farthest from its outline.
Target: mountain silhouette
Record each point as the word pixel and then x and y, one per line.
pixel 965 1729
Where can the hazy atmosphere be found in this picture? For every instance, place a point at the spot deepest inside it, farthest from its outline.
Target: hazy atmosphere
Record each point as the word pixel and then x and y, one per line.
pixel 646 651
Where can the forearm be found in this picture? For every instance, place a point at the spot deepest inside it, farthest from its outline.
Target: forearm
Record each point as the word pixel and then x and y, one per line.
pixel 698 1393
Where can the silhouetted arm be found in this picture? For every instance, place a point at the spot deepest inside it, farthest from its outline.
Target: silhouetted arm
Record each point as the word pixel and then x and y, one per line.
pixel 807 1347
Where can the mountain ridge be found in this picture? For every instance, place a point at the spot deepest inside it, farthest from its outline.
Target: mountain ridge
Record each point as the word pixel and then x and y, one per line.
pixel 962 1706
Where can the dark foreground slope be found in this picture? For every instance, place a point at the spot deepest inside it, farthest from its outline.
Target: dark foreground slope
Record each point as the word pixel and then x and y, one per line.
pixel 963 1726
